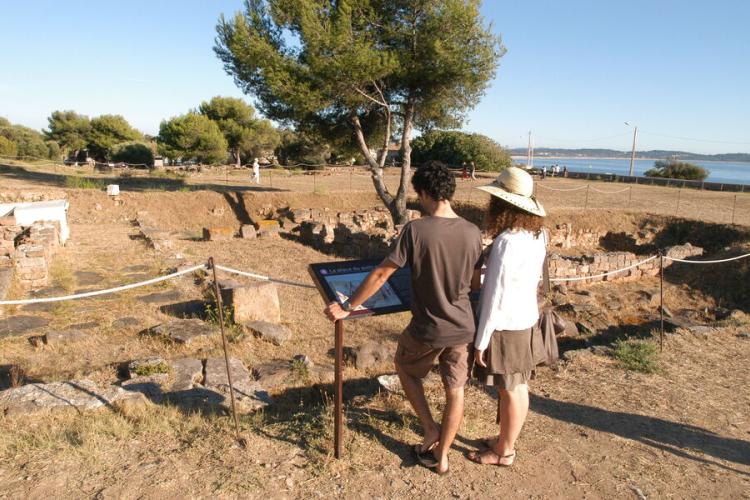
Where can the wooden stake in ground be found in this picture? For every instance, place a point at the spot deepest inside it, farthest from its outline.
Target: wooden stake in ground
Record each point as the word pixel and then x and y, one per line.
pixel 240 439
pixel 661 301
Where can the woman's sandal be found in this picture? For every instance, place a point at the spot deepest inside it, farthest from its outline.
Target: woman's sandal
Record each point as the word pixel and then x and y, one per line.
pixel 489 457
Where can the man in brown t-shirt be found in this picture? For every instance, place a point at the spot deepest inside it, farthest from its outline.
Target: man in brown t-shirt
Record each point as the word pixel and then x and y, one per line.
pixel 443 251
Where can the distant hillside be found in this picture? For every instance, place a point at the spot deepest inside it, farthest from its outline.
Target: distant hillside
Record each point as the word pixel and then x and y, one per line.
pixel 611 153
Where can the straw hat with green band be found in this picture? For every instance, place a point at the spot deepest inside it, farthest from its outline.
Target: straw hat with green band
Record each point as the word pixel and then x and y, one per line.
pixel 516 187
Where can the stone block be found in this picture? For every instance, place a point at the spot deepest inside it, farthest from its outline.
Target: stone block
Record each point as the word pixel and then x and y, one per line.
pixel 254 302
pixel 186 372
pixel 248 232
pixel 371 354
pixel 182 331
pixel 268 228
pixel 74 395
pixel 277 334
pixel 58 337
pixel 218 233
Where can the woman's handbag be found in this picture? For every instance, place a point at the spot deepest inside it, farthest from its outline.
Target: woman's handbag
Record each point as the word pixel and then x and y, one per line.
pixel 544 334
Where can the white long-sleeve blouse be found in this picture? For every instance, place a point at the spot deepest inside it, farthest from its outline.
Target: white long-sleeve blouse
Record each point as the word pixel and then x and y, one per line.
pixel 508 300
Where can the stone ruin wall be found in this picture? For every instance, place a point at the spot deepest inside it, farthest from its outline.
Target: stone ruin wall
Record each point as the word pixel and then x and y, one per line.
pixel 561 266
pixel 370 233
pixel 28 251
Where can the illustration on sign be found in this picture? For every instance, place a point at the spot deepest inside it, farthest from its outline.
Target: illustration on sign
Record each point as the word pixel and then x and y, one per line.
pixel 337 282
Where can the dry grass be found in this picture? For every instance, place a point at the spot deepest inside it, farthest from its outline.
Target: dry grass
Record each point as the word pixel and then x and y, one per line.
pixel 595 429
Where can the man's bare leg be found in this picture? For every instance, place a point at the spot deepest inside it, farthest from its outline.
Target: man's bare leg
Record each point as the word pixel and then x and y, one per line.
pixel 415 394
pixel 452 417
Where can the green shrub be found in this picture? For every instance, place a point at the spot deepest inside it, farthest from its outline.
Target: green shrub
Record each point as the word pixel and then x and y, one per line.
pixel 133 152
pixel 454 148
pixel 671 169
pixel 639 356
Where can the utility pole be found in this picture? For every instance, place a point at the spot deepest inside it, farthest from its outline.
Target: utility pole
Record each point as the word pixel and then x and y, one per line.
pixel 530 155
pixel 632 154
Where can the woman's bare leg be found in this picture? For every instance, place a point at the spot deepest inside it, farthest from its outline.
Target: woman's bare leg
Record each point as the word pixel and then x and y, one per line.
pixel 514 407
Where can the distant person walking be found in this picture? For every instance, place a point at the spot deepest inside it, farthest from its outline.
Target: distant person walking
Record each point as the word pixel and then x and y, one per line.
pixel 473 171
pixel 464 174
pixel 565 170
pixel 544 172
pixel 508 308
pixel 256 171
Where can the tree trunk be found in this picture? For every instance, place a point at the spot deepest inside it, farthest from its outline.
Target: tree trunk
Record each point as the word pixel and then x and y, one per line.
pixel 403 186
pixel 236 154
pixel 375 169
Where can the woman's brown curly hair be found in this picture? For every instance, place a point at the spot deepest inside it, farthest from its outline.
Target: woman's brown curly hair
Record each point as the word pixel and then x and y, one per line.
pixel 501 215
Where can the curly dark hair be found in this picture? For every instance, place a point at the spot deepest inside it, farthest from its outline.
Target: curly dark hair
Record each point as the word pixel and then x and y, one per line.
pixel 435 180
pixel 501 215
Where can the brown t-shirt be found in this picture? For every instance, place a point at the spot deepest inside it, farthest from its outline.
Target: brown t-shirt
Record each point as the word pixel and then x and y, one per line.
pixel 442 253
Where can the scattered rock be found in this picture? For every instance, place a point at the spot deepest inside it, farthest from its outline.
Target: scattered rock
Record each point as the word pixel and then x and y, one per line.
pixel 391 383
pixel 84 326
pixel 254 302
pixel 701 329
pixel 743 335
pixel 561 289
pixel 14 326
pixel 126 322
pixel 666 312
pixel 371 354
pixel 268 228
pixel 157 297
pixel 217 211
pixel 58 337
pixel 88 278
pixel 274 374
pixel 721 313
pixel 248 394
pixel 248 232
pixel 81 395
pixel 558 301
pixel 277 334
pixel 218 233
pixel 602 350
pixel 182 331
pixel 186 373
pixel 150 386
pixel 576 353
pixel 584 329
pixel 738 316
pixel 304 359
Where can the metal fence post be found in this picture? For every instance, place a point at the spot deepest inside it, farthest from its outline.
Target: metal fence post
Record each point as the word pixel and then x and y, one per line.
pixel 734 208
pixel 679 192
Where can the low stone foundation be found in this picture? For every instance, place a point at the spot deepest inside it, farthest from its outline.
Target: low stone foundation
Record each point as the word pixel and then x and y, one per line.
pixel 363 234
pixel 561 266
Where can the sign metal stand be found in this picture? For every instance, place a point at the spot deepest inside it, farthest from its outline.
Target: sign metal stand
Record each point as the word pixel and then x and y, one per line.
pixel 336 282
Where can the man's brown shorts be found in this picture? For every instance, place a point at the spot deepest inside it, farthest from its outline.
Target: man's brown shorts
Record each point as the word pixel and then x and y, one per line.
pixel 417 359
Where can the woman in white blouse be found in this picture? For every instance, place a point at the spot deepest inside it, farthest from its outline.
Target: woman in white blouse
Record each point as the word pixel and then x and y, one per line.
pixel 508 307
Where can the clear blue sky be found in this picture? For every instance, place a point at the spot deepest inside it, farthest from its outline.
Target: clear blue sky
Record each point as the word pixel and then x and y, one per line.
pixel 573 73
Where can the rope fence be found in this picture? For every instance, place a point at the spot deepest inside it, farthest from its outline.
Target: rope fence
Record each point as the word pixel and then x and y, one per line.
pixel 261 277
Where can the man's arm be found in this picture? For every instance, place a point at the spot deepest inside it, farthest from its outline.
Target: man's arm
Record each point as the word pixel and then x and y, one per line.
pixel 366 289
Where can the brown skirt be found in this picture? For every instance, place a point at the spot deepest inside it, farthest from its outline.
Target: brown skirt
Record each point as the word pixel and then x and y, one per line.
pixel 509 360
